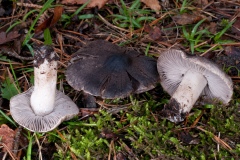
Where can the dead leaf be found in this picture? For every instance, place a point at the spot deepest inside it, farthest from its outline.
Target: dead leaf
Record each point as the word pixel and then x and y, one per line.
pixel 88 111
pixel 57 15
pixel 91 4
pixel 154 32
pixel 108 134
pixel 201 3
pixel 153 4
pixel 213 27
pixel 7 136
pixel 51 21
pixel 187 138
pixel 187 18
pixel 4 38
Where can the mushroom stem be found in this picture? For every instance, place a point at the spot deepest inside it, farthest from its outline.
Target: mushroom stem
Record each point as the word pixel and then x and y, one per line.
pixel 45 79
pixel 185 96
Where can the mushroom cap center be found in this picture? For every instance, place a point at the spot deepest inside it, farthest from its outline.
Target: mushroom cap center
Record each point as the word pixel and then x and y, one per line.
pixel 118 63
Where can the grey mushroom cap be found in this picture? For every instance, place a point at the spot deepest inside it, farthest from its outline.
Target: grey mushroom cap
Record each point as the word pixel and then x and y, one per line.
pixel 173 64
pixel 109 71
pixel 23 114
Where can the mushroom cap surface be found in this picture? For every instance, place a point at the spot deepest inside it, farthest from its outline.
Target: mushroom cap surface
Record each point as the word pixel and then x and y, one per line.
pixel 173 64
pixel 109 71
pixel 23 114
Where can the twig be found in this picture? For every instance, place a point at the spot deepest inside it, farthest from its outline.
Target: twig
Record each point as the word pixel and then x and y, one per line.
pixel 39 147
pixel 16 140
pixel 209 49
pixel 112 26
pixel 29 5
pixel 217 139
pixel 10 52
pixel 9 151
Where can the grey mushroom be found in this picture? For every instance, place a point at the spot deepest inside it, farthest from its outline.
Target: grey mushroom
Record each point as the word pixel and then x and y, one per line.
pixel 42 108
pixel 109 71
pixel 186 78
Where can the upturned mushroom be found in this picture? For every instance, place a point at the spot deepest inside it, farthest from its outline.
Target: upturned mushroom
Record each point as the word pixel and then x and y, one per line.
pixel 42 108
pixel 109 71
pixel 186 78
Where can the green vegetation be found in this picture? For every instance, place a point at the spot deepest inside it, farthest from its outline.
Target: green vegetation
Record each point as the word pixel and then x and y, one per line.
pixel 131 126
pixel 132 17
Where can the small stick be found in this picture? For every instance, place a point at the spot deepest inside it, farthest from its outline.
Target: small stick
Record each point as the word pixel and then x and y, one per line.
pixel 12 53
pixel 16 140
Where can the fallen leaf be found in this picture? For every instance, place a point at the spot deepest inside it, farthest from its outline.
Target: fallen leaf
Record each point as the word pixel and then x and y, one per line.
pixel 187 138
pixel 108 134
pixel 57 15
pixel 91 4
pixel 7 137
pixel 154 32
pixel 4 37
pixel 187 18
pixel 153 4
pixel 201 3
pixel 51 21
pixel 213 27
pixel 85 112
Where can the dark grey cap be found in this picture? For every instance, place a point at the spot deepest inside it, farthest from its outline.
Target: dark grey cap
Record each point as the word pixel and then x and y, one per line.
pixel 109 71
pixel 23 114
pixel 173 64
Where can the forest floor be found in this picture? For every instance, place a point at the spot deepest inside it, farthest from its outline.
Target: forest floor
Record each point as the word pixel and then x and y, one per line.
pixel 131 127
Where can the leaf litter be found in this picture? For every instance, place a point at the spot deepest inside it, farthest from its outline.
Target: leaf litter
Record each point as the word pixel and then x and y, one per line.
pixel 139 123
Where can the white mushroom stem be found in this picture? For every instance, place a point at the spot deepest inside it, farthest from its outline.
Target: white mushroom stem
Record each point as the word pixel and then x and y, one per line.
pixel 45 79
pixel 188 92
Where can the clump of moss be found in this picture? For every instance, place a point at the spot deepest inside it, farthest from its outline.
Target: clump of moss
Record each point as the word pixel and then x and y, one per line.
pixel 139 132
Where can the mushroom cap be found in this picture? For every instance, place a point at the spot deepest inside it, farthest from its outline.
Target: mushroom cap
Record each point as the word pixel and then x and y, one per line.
pixel 23 114
pixel 173 64
pixel 109 71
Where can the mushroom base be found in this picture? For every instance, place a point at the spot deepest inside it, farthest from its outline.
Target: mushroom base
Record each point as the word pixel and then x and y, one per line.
pixel 185 96
pixel 172 112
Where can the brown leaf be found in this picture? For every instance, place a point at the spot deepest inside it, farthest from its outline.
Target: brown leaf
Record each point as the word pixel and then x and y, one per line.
pixel 51 21
pixel 7 136
pixel 154 32
pixel 88 111
pixel 108 134
pixel 57 15
pixel 91 4
pixel 213 27
pixel 187 18
pixel 187 138
pixel 153 4
pixel 201 3
pixel 4 38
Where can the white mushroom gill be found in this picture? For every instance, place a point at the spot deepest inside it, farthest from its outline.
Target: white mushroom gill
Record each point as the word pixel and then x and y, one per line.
pixel 45 78
pixel 188 91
